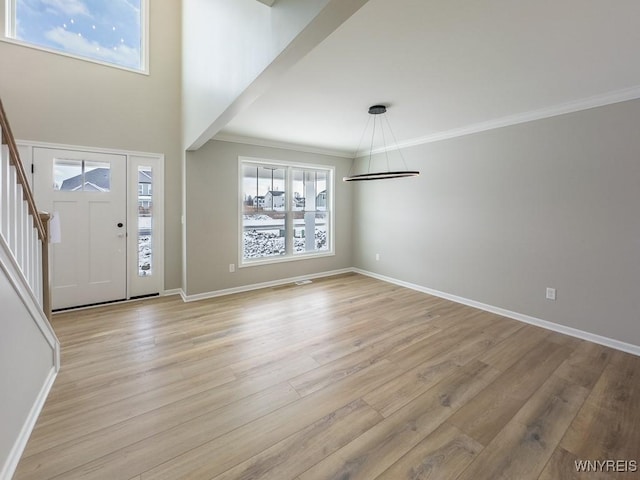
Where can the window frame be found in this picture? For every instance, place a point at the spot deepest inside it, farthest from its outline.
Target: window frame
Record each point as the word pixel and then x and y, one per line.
pixel 290 256
pixel 8 20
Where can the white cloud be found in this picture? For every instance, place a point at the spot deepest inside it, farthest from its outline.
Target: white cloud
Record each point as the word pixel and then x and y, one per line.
pixel 68 7
pixel 134 6
pixel 74 44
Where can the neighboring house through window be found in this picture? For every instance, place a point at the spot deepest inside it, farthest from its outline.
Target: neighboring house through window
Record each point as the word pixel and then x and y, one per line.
pixel 286 211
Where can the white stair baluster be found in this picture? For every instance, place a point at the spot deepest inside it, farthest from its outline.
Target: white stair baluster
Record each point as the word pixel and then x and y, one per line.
pixel 38 262
pixel 28 255
pixel 13 209
pixel 4 193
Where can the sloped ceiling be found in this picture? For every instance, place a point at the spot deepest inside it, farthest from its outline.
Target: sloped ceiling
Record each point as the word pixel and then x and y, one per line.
pixel 450 66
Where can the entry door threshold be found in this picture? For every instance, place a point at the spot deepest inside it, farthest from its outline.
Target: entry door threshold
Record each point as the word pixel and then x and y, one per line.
pixel 99 304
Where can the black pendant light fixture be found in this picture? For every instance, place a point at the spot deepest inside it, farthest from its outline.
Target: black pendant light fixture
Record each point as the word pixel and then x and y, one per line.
pixel 377 111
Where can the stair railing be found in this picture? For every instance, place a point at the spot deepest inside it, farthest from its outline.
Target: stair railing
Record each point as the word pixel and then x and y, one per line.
pixel 23 229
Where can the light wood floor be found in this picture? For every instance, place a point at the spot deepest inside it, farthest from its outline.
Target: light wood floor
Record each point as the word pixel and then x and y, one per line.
pixel 346 378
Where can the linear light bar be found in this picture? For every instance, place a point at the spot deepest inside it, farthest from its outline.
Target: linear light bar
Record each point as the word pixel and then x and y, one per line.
pixel 380 175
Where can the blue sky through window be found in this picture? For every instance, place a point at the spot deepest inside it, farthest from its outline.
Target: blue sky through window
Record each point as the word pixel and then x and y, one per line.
pixel 105 30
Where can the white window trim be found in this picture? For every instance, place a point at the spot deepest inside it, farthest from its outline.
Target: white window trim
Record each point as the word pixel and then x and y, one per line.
pixel 7 20
pixel 242 262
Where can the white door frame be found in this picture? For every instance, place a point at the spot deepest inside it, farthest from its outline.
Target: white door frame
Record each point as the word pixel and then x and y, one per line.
pixel 136 286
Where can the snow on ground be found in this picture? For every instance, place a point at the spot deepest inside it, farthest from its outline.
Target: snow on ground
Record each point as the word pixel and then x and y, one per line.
pixel 144 255
pixel 265 243
pixel 262 236
pixel 262 244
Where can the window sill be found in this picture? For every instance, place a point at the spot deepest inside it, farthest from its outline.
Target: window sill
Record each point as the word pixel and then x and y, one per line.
pixel 283 259
pixel 21 43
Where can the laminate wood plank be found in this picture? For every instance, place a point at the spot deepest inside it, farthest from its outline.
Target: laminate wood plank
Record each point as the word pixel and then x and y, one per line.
pixel 347 329
pixel 348 365
pixel 256 342
pixel 499 328
pixel 442 455
pixel 511 349
pixel 125 387
pixel 71 424
pixel 68 394
pixel 162 389
pixel 135 320
pixel 442 358
pixel 373 452
pixel 566 340
pixel 247 321
pixel 174 429
pixel 562 465
pixel 87 400
pixel 585 365
pixel 495 406
pixel 286 367
pixel 297 453
pixel 98 375
pixel 601 428
pixel 447 312
pixel 526 443
pixel 332 351
pixel 305 344
pixel 338 329
pixel 470 348
pixel 405 388
pixel 241 444
pixel 444 341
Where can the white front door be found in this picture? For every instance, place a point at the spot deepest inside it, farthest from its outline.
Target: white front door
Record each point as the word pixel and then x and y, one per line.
pixel 86 192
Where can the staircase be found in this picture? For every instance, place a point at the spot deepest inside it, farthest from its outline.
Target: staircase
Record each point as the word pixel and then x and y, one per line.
pixel 29 349
pixel 22 228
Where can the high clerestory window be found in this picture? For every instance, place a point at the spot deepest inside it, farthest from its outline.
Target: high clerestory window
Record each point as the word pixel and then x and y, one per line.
pixel 286 211
pixel 112 32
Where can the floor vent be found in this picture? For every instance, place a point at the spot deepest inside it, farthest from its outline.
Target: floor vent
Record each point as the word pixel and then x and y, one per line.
pixel 303 282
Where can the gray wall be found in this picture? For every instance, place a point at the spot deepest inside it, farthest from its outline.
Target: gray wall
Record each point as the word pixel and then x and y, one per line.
pixel 26 361
pixel 212 218
pixel 52 98
pixel 498 216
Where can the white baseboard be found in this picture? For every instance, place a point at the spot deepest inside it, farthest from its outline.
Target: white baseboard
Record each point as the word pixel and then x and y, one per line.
pixel 173 291
pixel 573 332
pixel 21 442
pixel 257 286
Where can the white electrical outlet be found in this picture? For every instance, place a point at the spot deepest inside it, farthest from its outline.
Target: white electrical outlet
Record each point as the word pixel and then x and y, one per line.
pixel 377 257
pixel 551 293
pixel 232 267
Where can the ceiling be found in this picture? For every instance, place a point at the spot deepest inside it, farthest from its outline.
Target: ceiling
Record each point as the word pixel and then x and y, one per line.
pixel 447 67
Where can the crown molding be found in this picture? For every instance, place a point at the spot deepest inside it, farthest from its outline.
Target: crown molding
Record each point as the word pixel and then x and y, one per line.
pixel 261 142
pixel 595 101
